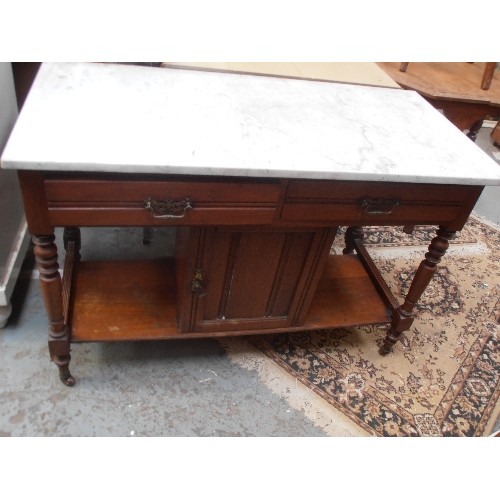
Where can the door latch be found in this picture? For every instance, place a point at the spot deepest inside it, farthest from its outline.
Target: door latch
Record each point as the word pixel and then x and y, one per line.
pixel 197 283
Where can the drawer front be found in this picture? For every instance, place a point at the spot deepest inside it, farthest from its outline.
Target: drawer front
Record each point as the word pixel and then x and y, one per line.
pixel 173 202
pixel 374 203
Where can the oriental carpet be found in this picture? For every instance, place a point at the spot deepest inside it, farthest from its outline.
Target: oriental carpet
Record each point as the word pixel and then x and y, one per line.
pixel 442 378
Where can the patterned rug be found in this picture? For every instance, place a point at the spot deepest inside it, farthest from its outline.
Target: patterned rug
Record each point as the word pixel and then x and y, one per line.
pixel 442 378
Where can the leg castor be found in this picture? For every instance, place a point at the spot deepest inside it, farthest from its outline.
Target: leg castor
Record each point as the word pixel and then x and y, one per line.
pixel 62 363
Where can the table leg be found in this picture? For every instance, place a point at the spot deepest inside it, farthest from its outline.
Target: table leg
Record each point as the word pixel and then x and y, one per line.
pixel 50 283
pixel 352 233
pixel 474 130
pixel 403 316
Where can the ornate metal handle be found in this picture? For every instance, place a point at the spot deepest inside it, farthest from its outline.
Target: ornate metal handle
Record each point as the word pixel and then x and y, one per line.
pixel 376 206
pixel 197 283
pixel 168 209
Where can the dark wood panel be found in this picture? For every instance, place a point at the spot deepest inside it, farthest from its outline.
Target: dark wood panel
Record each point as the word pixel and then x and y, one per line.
pixel 293 255
pixel 375 203
pixel 317 258
pixel 241 267
pixel 351 191
pixel 344 214
pixel 185 261
pixel 101 217
pixel 252 278
pixel 35 202
pixel 87 191
pixel 217 261
pixel 120 202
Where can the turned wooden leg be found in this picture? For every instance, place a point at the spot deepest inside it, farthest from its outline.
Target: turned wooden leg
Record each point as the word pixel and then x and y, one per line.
pixel 474 129
pixel 403 316
pixel 352 233
pixel 50 283
pixel 489 70
pixel 403 67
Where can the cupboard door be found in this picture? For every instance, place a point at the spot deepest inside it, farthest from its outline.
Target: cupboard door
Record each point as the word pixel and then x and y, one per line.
pixel 248 279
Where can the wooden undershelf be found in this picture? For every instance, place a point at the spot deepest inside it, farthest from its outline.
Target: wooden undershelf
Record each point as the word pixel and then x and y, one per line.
pixel 135 300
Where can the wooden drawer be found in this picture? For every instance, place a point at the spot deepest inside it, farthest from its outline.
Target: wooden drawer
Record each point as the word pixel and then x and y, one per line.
pixel 374 203
pixel 178 201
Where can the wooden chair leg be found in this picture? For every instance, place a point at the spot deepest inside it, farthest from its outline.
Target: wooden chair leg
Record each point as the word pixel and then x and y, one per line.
pixel 489 69
pixel 474 130
pixel 352 233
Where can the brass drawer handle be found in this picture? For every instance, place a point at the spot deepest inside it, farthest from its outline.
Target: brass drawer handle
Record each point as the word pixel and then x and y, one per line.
pixel 377 206
pixel 197 283
pixel 168 209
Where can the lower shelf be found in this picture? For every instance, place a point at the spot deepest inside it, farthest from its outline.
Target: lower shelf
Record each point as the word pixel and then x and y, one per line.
pixel 119 301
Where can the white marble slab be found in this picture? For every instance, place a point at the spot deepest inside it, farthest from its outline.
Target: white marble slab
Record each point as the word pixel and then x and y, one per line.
pixel 115 118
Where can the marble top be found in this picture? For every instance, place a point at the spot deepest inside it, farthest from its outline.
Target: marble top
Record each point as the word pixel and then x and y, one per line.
pixel 92 117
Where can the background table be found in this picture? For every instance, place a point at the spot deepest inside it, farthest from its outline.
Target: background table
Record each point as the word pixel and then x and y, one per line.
pixel 454 88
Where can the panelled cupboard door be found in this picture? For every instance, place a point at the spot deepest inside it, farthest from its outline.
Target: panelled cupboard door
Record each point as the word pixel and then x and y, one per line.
pixel 244 279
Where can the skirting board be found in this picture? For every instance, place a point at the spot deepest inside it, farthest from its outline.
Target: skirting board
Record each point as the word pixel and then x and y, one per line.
pixel 8 280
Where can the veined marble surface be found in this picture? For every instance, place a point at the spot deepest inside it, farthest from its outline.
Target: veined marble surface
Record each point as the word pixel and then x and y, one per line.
pixel 114 118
